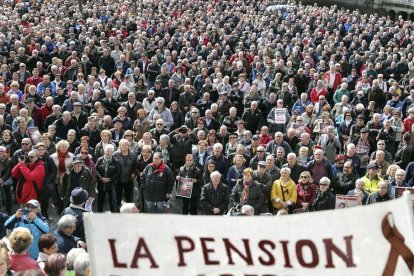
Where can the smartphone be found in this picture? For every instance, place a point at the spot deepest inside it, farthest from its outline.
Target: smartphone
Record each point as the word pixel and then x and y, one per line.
pixel 25 211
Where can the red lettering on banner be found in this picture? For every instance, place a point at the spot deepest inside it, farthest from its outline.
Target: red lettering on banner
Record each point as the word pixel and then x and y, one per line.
pixel 142 246
pixel 182 250
pixel 230 247
pixel 206 251
pixel 262 246
pixel 117 264
pixel 286 253
pixel 299 248
pixel 331 247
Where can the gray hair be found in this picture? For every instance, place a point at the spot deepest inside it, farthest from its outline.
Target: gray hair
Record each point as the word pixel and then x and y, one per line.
pixel 246 209
pixel 165 137
pixel 110 146
pixel 215 173
pixel 81 263
pixel 72 254
pixel 325 180
pixel 66 221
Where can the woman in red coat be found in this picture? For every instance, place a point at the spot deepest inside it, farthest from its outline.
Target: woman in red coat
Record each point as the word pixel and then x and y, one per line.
pixel 28 176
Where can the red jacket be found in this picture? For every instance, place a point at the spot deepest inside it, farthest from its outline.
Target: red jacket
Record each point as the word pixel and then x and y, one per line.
pixel 314 96
pixel 408 123
pixel 27 177
pixel 337 80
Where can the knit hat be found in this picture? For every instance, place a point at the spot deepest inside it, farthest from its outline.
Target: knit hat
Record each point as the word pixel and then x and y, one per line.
pixel 78 196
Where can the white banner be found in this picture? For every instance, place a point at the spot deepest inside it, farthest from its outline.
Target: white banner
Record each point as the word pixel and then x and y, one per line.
pixel 366 240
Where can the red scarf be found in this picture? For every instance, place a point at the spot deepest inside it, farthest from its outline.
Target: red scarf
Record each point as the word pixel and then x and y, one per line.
pixel 62 157
pixel 160 168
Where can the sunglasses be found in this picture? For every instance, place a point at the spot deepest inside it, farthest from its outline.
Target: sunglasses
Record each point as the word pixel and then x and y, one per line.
pixel 262 166
pixel 304 176
pixel 323 184
pixel 84 152
pixel 25 144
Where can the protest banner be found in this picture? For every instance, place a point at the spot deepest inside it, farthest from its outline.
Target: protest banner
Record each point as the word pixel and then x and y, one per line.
pixel 345 201
pixel 377 239
pixel 280 116
pixel 184 187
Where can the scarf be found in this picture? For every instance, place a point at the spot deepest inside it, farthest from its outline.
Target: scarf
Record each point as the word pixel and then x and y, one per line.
pixel 160 168
pixel 244 197
pixel 62 157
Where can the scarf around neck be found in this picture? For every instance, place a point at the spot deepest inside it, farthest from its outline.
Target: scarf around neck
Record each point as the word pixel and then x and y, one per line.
pixel 62 156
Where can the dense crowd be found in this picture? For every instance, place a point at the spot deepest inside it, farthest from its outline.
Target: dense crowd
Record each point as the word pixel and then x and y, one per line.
pixel 228 107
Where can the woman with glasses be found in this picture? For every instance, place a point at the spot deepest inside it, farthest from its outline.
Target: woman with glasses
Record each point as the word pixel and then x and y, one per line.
pixel 86 156
pixel 133 145
pixel 325 199
pixel 306 191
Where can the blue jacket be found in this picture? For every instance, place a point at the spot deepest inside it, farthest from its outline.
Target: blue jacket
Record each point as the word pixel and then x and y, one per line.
pixel 65 242
pixel 37 227
pixel 235 175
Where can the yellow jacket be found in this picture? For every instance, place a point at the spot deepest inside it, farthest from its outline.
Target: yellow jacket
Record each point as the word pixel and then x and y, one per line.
pixel 290 193
pixel 371 185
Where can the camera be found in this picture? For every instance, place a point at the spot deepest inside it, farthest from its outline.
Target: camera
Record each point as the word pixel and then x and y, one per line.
pixel 182 130
pixel 25 211
pixel 22 158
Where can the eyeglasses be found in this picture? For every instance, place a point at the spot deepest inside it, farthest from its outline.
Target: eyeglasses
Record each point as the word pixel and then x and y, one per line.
pixel 260 151
pixel 194 112
pixel 25 144
pixel 323 184
pixel 32 157
pixel 304 176
pixel 84 152
pixel 262 166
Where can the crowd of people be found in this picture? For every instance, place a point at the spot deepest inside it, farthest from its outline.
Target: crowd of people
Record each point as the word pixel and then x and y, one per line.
pixel 228 107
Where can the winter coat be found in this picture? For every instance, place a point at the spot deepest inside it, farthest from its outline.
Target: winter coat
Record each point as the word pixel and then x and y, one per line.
pixel 127 165
pixel 324 201
pixel 30 181
pixel 112 172
pixel 214 198
pixel 256 197
pixel 195 173
pixel 156 182
pixel 284 192
pixel 86 181
pixel 77 212
pixel 37 227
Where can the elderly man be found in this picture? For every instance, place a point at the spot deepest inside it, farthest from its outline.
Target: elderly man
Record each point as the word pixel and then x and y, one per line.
pixel 278 142
pixel 330 144
pixel 222 164
pixel 399 181
pixel 381 146
pixel 64 124
pixel 157 182
pixel 214 196
pixel 344 182
pixel 164 112
pixel 295 168
pixel 381 195
pixel 380 162
pixel 64 234
pixel 319 167
pixel 78 198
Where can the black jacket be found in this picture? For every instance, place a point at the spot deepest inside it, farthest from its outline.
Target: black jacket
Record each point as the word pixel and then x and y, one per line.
pixel 211 198
pixel 156 182
pixel 195 173
pixel 112 172
pixel 256 198
pixel 324 201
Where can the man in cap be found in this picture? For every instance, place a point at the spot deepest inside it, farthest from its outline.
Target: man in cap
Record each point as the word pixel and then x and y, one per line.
pixel 77 176
pixel 78 198
pixel 117 131
pixel 372 179
pixel 30 217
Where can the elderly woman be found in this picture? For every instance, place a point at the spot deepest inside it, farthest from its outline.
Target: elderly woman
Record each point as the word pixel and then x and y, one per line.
pixel 235 173
pixel 47 246
pixel 190 171
pixel 147 140
pixel 63 160
pixel 8 141
pixel 165 147
pixel 20 241
pixel 247 192
pixel 283 193
pixel 4 261
pixel 64 234
pixel 106 136
pixel 359 191
pixel 141 125
pixel 306 191
pixel 127 160
pixel 325 200
pixel 129 136
pixel 108 170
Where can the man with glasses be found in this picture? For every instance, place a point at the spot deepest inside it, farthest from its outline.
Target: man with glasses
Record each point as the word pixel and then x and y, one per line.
pixel 90 130
pixel 56 115
pixel 381 195
pixel 381 146
pixel 50 174
pixel 158 130
pixel 399 181
pixel 345 181
pixel 264 180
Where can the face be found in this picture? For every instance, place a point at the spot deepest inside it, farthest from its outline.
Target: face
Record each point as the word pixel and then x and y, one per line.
pixel 63 147
pixel 382 189
pixel 215 179
pixel 247 177
pixel 400 177
pixel 284 174
pixel 189 161
pixel 323 187
pixel 304 178
pixel 157 160
pixel 26 144
pixel 108 152
pixel 52 250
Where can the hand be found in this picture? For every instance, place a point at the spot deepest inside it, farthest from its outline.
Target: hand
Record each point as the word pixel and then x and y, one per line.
pixel 216 210
pixel 31 216
pixel 305 205
pixel 284 204
pixel 167 196
pixel 178 177
pixel 19 213
pixel 82 244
